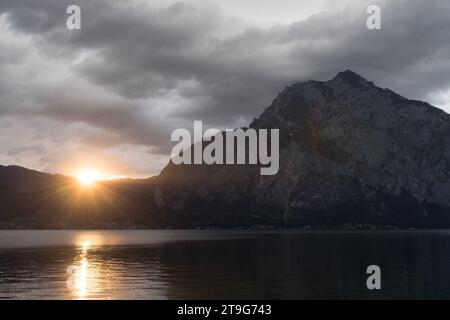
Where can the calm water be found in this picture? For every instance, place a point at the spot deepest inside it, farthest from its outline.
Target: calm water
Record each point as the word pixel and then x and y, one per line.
pixel 222 264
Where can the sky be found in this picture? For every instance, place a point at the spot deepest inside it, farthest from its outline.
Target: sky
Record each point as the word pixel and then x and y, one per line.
pixel 109 95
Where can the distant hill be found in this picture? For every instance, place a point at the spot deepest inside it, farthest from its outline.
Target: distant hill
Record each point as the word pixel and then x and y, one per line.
pixel 350 153
pixel 32 199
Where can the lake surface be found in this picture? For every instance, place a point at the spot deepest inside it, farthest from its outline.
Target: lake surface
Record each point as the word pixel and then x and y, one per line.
pixel 168 264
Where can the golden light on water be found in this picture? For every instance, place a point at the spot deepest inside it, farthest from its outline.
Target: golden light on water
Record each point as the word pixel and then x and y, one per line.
pixel 84 276
pixel 87 240
pixel 97 272
pixel 85 245
pixel 82 282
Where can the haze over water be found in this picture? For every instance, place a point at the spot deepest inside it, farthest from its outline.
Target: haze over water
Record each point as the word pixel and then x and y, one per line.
pixel 148 264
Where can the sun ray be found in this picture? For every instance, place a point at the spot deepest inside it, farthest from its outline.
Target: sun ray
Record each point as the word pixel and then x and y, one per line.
pixel 88 177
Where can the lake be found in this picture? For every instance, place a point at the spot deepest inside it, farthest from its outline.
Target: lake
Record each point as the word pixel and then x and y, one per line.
pixel 178 264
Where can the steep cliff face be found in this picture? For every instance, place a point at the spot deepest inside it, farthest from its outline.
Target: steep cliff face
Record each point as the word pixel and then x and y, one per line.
pixel 349 152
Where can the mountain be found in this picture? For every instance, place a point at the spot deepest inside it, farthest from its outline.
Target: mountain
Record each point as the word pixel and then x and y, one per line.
pixel 32 199
pixel 350 153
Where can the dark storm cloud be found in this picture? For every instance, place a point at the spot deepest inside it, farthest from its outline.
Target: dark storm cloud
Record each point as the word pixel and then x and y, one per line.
pixel 193 57
pixel 36 149
pixel 131 121
pixel 145 52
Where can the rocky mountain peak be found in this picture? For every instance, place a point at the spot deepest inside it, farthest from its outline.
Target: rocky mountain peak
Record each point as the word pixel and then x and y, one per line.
pixel 296 103
pixel 351 78
pixel 349 82
pixel 349 152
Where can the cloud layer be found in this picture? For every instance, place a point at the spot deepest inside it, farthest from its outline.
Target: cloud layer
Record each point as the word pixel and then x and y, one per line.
pixel 138 69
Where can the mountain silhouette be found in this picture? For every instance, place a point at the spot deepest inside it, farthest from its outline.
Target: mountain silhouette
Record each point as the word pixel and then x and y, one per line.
pixel 350 153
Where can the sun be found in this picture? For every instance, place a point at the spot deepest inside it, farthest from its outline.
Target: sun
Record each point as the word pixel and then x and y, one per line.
pixel 88 177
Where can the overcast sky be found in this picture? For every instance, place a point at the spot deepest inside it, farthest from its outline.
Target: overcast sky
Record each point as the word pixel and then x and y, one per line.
pixel 108 96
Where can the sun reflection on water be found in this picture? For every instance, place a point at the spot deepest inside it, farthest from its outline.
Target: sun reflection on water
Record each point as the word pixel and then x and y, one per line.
pixel 101 270
pixel 85 246
pixel 85 277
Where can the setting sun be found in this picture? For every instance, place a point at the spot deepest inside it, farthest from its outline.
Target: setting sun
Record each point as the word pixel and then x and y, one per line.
pixel 88 177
